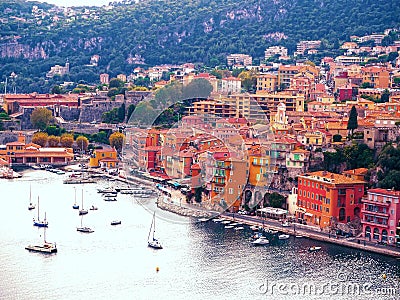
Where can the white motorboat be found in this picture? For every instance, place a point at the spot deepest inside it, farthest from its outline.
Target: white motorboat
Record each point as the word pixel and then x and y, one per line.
pixel 116 222
pixel 229 226
pixel 239 228
pixel 262 240
pixel 314 248
pixel 283 236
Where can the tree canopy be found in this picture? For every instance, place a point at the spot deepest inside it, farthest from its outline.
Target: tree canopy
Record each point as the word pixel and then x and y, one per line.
pixel 352 124
pixel 117 140
pixel 41 118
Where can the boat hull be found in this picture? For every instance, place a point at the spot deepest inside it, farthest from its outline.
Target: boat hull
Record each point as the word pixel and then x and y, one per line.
pixel 42 249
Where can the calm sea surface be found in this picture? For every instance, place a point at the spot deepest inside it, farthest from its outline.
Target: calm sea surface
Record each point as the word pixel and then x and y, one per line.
pixel 199 260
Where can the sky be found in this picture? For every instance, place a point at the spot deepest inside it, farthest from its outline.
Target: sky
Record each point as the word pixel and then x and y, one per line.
pixel 68 3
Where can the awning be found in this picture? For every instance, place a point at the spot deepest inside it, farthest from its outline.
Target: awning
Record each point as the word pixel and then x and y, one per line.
pixel 308 214
pixel 301 209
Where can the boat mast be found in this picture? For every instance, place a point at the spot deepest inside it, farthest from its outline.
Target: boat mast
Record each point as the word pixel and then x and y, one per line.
pixel 154 221
pixel 151 227
pixel 38 208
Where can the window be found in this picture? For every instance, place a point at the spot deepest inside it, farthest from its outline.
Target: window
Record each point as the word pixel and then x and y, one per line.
pixel 230 191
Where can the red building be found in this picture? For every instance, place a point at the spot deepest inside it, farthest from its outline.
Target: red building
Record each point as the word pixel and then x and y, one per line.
pixel 324 198
pixel 380 215
pixel 12 102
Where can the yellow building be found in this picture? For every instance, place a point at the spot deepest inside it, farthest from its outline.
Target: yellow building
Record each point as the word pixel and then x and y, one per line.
pixel 104 158
pixel 267 82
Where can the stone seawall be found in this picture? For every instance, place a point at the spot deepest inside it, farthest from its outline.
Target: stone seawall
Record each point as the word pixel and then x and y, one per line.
pixel 183 210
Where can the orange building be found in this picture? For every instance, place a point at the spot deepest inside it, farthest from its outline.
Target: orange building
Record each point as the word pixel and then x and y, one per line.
pixel 377 76
pixel 227 183
pixel 104 158
pixel 325 198
pixel 20 153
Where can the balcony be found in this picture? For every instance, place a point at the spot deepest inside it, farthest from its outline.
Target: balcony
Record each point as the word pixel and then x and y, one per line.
pixel 215 183
pixel 222 166
pixel 375 213
pixel 372 223
pixel 219 175
pixel 380 203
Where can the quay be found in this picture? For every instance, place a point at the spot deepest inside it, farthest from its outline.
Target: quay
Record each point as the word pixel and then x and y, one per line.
pixel 303 230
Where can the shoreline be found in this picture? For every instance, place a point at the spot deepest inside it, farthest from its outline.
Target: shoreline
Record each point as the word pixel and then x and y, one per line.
pixel 297 229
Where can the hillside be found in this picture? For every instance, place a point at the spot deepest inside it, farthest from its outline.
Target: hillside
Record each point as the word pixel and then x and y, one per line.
pixel 157 32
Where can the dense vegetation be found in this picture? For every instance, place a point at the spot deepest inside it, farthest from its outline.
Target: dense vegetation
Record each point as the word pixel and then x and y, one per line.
pixel 159 32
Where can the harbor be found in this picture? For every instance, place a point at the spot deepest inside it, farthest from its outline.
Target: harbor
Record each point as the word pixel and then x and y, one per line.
pixel 115 262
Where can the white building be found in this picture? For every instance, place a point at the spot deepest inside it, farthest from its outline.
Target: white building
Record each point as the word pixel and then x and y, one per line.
pixel 275 50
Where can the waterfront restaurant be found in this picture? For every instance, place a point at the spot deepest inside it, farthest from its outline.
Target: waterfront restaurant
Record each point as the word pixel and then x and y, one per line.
pixel 18 153
pixel 22 154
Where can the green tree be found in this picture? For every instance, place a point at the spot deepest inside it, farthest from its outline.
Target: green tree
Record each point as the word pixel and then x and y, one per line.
pixel 115 83
pixel 40 138
pixel 131 109
pixel 117 140
pixel 121 113
pixel 41 118
pixel 53 141
pixel 385 96
pixel 352 124
pixel 67 140
pixel 337 138
pixel 276 200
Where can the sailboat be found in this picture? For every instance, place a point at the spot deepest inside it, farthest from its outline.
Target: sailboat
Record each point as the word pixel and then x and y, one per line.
pixel 38 222
pixel 153 242
pixel 84 228
pixel 82 211
pixel 46 247
pixel 31 205
pixel 75 206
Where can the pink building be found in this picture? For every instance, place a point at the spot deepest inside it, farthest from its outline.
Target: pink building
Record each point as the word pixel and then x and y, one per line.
pixel 380 215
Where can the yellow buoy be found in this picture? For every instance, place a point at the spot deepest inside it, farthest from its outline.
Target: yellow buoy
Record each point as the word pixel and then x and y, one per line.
pixel 384 276
pixel 157 269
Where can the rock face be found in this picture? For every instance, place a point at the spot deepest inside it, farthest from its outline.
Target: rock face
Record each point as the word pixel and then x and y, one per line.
pixel 16 50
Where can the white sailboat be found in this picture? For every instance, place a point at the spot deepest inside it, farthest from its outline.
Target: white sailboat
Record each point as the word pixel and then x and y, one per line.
pixel 75 206
pixel 82 211
pixel 38 222
pixel 46 247
pixel 84 228
pixel 151 240
pixel 31 205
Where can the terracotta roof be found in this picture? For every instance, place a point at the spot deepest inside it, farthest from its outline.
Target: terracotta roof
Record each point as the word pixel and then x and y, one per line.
pixel 337 178
pixel 384 192
pixel 359 171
